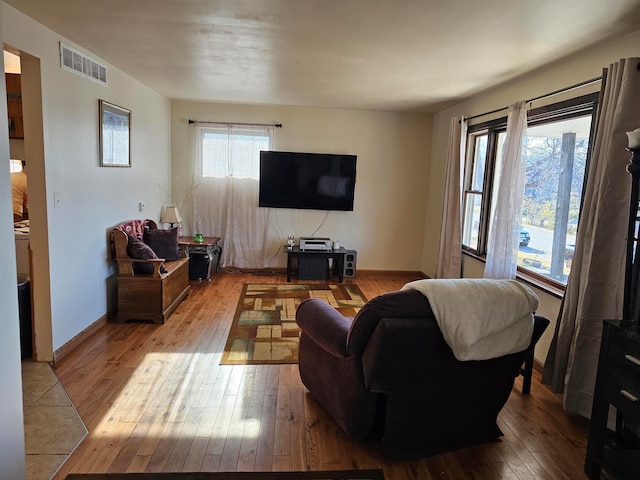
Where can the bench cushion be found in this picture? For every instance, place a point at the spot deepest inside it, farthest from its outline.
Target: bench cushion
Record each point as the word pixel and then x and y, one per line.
pixel 163 242
pixel 140 250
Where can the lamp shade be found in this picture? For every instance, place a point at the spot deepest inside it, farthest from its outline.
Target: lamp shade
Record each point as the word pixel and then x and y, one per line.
pixel 634 138
pixel 170 215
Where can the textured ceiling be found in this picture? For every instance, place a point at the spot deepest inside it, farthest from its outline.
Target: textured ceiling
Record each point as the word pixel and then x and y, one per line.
pixel 366 54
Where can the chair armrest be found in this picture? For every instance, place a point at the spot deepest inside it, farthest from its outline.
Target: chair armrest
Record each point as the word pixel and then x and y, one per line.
pixel 324 325
pixel 127 263
pixel 539 326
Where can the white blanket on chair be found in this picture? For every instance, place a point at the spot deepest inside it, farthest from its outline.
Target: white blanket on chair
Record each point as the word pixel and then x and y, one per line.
pixel 481 318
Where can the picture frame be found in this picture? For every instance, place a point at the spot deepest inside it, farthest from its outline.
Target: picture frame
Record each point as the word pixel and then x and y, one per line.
pixel 115 135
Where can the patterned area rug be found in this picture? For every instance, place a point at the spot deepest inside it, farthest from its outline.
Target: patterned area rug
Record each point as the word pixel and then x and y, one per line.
pixel 264 327
pixel 326 475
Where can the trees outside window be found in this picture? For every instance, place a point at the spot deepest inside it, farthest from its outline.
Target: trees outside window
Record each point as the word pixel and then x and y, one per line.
pixel 555 151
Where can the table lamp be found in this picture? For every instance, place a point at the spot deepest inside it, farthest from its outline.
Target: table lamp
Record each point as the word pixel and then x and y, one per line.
pixel 170 215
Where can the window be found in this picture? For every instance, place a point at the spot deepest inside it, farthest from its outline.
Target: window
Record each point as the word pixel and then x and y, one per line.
pixel 482 146
pixel 15 166
pixel 473 192
pixel 233 151
pixel 555 152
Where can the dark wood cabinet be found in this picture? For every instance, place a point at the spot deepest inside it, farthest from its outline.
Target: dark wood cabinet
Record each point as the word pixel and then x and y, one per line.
pixel 617 385
pixel 14 105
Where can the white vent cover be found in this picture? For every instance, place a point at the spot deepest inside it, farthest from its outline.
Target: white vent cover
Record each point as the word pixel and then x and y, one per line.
pixel 75 61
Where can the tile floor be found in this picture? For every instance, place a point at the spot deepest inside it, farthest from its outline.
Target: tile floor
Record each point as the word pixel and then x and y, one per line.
pixel 52 426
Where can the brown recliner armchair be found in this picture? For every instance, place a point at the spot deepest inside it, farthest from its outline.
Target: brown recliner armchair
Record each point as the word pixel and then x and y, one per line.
pixel 388 373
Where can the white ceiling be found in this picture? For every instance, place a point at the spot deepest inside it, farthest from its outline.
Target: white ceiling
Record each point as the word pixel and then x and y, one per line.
pixel 364 54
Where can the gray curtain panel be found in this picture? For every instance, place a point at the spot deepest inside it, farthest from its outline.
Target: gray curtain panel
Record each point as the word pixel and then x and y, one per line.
pixel 595 287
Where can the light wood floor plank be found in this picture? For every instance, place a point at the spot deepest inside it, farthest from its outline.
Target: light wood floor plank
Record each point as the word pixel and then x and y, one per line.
pixel 282 421
pixel 196 455
pixel 114 443
pixel 155 398
pixel 265 448
pixel 221 426
pixel 297 450
pixel 164 447
pixel 126 455
pixel 138 464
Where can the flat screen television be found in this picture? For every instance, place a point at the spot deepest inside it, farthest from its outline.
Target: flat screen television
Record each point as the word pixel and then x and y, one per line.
pixel 316 181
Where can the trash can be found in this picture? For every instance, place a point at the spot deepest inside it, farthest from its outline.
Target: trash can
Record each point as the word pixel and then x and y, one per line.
pixel 24 308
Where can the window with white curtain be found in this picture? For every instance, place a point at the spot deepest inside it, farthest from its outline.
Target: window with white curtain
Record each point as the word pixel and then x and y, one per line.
pixel 233 151
pixel 225 204
pixel 555 152
pixel 15 166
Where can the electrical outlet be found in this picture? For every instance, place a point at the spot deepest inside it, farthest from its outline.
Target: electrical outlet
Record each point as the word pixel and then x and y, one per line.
pixel 142 206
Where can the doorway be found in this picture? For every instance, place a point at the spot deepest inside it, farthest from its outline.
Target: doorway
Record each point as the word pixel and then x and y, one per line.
pixel 28 145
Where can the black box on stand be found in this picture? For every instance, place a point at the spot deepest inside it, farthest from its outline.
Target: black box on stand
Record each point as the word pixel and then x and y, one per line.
pixel 310 268
pixel 199 265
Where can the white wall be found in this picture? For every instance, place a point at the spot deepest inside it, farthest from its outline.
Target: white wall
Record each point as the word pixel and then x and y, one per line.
pixel 72 239
pixel 387 224
pixel 578 68
pixel 12 459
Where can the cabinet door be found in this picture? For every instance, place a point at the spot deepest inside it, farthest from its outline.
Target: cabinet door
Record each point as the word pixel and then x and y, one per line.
pixel 14 105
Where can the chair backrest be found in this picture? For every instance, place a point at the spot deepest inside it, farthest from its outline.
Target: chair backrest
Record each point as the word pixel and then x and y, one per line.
pixel 135 228
pixel 398 304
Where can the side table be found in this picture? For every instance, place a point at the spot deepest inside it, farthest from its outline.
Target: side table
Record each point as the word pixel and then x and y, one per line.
pixel 203 256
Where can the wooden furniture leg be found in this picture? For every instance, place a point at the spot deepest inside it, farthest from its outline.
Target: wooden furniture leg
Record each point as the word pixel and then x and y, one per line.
pixel 526 373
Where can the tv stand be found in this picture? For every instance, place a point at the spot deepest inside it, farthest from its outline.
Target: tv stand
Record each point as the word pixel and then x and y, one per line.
pixel 317 262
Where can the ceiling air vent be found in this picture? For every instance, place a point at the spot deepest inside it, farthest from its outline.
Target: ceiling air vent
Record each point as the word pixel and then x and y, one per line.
pixel 75 61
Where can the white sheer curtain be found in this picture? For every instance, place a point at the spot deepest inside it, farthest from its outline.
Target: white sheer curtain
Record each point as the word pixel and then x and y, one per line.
pixel 450 251
pixel 504 233
pixel 595 287
pixel 225 204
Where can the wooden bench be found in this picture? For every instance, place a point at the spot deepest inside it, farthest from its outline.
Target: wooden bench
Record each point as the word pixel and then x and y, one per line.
pixel 151 297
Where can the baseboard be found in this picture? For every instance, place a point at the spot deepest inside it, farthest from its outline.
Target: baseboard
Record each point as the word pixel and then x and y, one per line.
pixel 283 271
pixel 65 349
pixel 392 273
pixel 538 366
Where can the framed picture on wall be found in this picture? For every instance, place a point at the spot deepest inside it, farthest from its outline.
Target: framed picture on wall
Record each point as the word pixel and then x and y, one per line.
pixel 115 135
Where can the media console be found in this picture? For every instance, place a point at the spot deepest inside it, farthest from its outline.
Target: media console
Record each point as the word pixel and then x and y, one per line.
pixel 314 264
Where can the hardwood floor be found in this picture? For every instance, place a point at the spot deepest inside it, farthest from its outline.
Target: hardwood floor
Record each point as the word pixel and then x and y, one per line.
pixel 154 398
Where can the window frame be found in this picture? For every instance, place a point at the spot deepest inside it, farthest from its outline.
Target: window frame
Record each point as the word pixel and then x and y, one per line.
pixel 492 131
pixel 563 110
pixel 230 130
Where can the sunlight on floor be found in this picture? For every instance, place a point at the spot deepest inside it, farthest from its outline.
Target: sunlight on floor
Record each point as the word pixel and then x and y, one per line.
pixel 161 392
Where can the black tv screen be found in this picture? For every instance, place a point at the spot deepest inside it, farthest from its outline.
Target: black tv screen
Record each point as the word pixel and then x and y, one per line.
pixel 318 181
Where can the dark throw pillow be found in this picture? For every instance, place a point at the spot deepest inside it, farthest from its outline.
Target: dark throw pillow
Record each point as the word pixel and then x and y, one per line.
pixel 138 249
pixel 164 243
